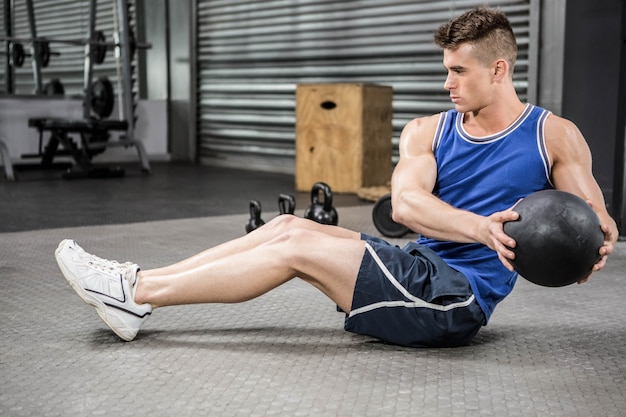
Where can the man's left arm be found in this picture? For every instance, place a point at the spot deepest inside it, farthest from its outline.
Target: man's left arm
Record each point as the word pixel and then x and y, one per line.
pixel 572 172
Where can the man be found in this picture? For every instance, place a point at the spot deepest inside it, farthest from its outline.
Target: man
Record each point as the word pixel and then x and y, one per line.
pixel 459 174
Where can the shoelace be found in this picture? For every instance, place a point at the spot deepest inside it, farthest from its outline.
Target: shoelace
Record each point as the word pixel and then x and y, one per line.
pixel 96 258
pixel 111 262
pixel 110 266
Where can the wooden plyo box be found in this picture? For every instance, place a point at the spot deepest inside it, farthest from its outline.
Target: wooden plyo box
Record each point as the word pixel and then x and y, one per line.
pixel 343 136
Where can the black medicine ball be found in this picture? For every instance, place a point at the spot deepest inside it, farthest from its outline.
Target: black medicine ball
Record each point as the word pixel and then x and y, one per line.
pixel 558 238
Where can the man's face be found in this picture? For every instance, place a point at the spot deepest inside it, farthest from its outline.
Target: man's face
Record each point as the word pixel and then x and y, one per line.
pixel 469 81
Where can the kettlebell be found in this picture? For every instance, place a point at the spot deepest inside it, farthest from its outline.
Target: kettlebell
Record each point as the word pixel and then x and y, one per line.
pixel 322 212
pixel 286 204
pixel 255 216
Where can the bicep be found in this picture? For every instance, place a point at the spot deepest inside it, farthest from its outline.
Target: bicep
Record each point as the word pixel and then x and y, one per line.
pixel 417 167
pixel 415 172
pixel 572 162
pixel 572 172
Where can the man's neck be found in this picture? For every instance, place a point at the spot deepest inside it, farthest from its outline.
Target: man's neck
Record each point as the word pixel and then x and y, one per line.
pixel 494 118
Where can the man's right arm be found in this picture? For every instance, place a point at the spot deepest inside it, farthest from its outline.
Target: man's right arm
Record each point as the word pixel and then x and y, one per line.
pixel 415 206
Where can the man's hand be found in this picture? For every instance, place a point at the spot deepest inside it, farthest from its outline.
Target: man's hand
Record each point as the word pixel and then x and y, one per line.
pixel 610 237
pixel 492 235
pixel 605 250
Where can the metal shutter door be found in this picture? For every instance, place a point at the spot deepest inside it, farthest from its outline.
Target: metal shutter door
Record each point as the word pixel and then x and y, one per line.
pixel 251 55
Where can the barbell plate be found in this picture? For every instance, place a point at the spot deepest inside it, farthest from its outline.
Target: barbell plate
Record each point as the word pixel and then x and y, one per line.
pixel 102 97
pixel 381 216
pixel 99 49
pixel 44 53
pixel 54 87
pixel 17 54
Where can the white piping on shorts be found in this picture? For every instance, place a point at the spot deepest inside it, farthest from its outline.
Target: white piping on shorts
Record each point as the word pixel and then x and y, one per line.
pixel 415 301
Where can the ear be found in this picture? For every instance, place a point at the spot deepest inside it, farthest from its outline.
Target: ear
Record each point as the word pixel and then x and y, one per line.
pixel 500 69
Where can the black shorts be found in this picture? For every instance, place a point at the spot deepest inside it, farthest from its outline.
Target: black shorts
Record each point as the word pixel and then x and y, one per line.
pixel 409 296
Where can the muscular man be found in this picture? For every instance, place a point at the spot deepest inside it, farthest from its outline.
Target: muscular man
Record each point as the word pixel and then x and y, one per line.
pixel 459 174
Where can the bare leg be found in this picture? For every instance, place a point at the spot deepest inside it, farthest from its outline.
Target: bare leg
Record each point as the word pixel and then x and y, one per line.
pixel 325 256
pixel 272 229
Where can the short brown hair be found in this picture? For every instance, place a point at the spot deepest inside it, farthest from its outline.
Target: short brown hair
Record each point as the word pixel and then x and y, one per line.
pixel 488 30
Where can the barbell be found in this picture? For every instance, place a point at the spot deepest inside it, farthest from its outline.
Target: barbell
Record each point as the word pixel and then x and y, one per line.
pixel 17 54
pixel 98 51
pixel 100 40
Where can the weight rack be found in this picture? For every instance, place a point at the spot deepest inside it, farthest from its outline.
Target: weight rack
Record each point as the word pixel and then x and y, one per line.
pixel 89 126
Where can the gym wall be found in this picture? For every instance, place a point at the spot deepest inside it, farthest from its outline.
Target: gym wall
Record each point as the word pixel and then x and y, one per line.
pixel 594 89
pixel 251 56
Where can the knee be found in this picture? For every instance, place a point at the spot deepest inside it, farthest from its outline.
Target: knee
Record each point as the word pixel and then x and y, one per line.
pixel 285 222
pixel 288 234
pixel 287 230
pixel 284 246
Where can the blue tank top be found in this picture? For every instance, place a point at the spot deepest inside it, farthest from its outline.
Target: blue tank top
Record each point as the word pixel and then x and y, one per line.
pixel 485 175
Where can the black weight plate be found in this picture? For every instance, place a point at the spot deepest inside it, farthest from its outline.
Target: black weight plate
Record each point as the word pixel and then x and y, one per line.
pixel 44 54
pixel 54 87
pixel 17 54
pixel 102 97
pixel 381 216
pixel 99 49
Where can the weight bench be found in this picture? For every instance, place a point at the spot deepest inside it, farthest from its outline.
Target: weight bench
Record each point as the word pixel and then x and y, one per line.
pixel 94 135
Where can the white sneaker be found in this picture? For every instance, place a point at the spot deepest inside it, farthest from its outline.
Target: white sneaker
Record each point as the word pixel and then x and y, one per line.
pixel 109 286
pixel 97 259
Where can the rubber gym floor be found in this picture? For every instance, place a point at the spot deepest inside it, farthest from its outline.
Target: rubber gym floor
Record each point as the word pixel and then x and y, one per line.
pixel 545 352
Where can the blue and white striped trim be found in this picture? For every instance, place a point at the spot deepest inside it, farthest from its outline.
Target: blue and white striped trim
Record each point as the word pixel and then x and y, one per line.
pixel 541 145
pixel 415 301
pixel 495 137
pixel 443 117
